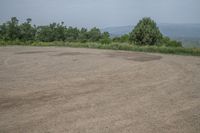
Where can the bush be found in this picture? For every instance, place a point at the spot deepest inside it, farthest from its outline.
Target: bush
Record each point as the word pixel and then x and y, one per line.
pixel 83 41
pixel 105 41
pixel 166 41
pixel 114 46
pixel 146 32
pixel 124 38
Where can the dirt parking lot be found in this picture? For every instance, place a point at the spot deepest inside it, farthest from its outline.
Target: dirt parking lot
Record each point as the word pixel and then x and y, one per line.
pixel 73 90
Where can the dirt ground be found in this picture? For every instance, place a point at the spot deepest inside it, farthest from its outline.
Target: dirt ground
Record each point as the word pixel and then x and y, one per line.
pixel 73 90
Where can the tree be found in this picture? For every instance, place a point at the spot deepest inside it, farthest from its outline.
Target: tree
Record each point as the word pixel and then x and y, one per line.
pixel 44 34
pixel 50 33
pixel 83 35
pixel 124 38
pixel 27 32
pixel 72 34
pixel 146 32
pixel 59 32
pixel 3 32
pixel 13 30
pixel 105 38
pixel 94 34
pixel 116 39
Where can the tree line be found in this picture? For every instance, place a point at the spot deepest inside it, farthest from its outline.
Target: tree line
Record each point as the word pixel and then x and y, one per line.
pixel 12 30
pixel 145 32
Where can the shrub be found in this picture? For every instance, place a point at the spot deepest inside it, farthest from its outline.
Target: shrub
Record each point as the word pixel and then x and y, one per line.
pixel 124 38
pixel 146 32
pixel 105 41
pixel 166 41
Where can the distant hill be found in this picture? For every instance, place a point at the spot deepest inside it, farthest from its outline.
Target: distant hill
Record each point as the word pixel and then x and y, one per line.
pixel 189 34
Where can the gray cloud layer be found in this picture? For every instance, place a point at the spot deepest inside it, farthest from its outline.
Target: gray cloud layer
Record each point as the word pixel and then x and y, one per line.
pixel 101 13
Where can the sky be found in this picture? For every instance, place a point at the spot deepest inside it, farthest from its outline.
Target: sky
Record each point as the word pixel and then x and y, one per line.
pixel 100 13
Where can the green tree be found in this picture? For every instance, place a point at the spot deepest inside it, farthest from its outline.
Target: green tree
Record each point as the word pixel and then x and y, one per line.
pixel 116 39
pixel 124 38
pixel 72 34
pixel 27 32
pixel 59 32
pixel 105 38
pixel 44 34
pixel 146 32
pixel 4 32
pixel 13 29
pixel 94 34
pixel 83 35
pixel 47 33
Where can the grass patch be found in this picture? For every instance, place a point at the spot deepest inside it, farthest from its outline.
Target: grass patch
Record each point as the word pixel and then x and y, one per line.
pixel 113 46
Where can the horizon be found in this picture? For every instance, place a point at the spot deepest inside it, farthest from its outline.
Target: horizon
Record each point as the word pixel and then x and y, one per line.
pixel 113 26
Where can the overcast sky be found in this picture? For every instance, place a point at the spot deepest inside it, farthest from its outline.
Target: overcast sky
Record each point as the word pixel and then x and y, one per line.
pixel 101 13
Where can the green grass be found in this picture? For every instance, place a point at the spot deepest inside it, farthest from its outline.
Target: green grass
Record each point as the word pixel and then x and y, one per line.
pixel 113 46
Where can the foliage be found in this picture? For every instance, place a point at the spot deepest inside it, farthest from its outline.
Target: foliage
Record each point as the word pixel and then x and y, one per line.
pixel 27 32
pixel 123 38
pixel 12 30
pixel 94 34
pixel 114 46
pixel 83 35
pixel 166 41
pixel 146 32
pixel 105 39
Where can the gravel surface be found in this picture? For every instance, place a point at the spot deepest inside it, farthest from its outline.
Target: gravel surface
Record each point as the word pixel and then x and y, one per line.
pixel 74 90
